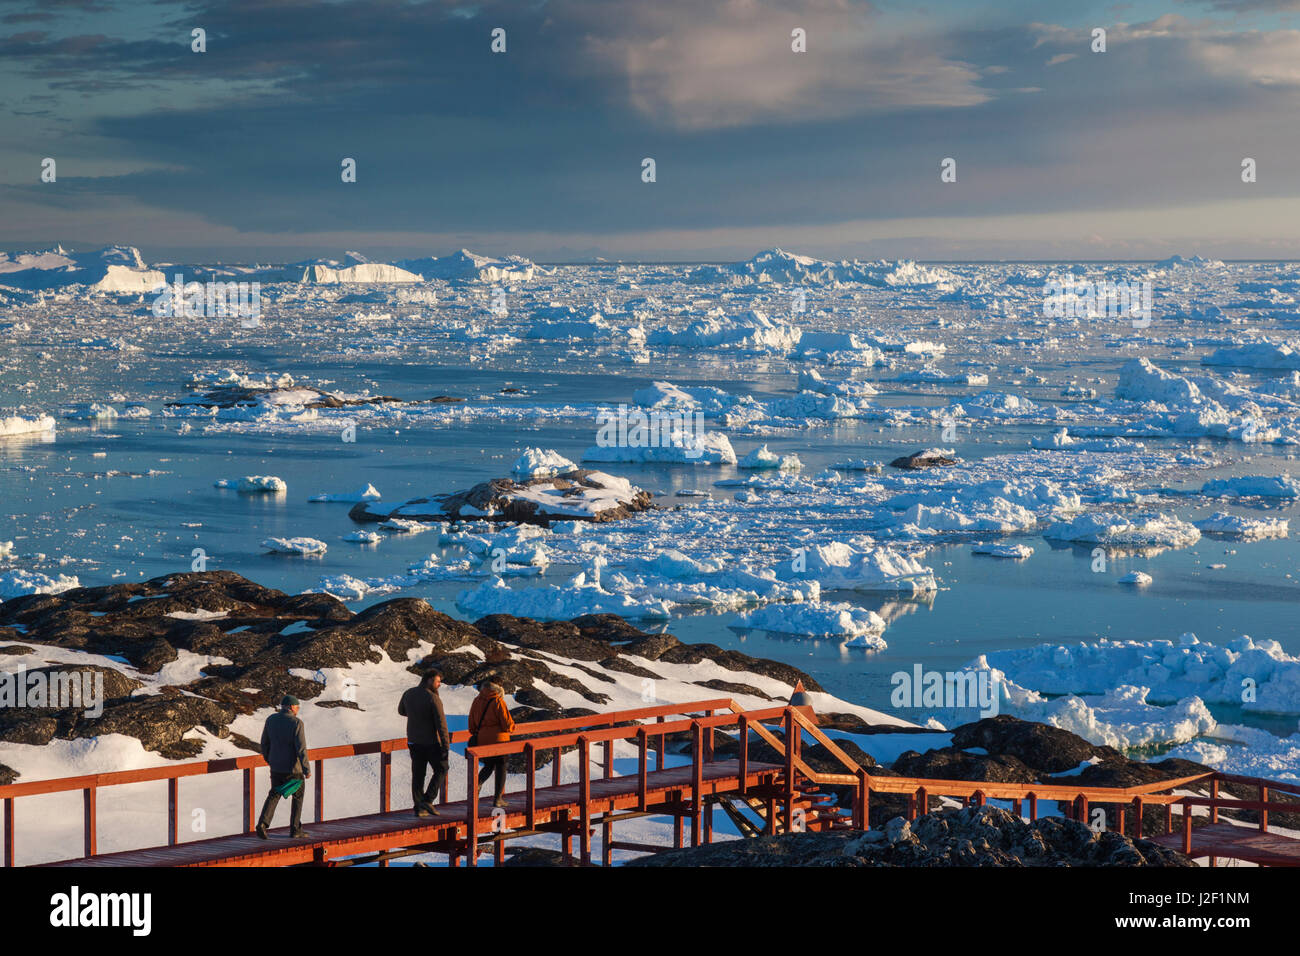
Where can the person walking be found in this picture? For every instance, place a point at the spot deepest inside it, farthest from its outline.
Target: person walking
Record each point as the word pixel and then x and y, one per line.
pixel 284 745
pixel 490 723
pixel 427 740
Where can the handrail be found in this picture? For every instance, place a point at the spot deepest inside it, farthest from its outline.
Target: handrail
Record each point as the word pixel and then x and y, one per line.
pixel 698 718
pixel 334 751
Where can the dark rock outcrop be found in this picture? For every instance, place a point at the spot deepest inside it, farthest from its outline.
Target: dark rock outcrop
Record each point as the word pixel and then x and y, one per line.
pixel 517 502
pixel 970 836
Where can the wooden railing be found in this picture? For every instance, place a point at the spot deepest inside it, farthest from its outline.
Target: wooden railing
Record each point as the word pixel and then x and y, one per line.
pixel 1215 802
pixel 91 784
pixel 648 729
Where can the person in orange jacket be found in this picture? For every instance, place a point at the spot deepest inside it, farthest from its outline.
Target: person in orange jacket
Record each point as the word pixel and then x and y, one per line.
pixel 490 723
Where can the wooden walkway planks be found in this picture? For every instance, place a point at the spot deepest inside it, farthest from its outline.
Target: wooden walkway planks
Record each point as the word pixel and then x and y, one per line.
pixel 380 831
pixel 1239 843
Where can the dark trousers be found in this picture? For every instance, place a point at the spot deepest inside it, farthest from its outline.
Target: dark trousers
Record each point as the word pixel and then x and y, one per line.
pixel 494 766
pixel 423 758
pixel 273 800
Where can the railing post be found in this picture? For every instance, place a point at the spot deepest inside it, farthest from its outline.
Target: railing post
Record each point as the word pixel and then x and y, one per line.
pixel 1081 803
pixel 471 807
pixel 977 798
pixel 697 779
pixel 584 799
pixel 555 766
pixel 642 769
pixel 88 818
pixel 1169 818
pixel 791 728
pixel 609 759
pixel 530 798
pixel 862 809
pixel 1138 809
pixel 1016 806
pixel 922 806
pixel 659 747
pixel 1214 795
pixel 1263 813
pixel 1187 828
pixel 319 773
pixel 1033 806
pixel 9 831
pixel 173 810
pixel 744 753
pixel 385 781
pixel 250 807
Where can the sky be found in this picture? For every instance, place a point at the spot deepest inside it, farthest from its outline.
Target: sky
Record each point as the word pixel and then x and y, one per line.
pixel 235 153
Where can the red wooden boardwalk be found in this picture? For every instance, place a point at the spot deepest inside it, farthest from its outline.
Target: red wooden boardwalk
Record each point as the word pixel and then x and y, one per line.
pixel 758 797
pixel 385 831
pixel 1228 841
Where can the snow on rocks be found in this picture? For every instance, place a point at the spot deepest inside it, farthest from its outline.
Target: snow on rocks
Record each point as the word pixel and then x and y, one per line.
pixel 302 546
pixel 926 458
pixel 579 494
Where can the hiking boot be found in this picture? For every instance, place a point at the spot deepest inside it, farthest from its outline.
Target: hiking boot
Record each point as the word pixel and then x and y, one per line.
pixel 499 802
pixel 261 831
pixel 298 834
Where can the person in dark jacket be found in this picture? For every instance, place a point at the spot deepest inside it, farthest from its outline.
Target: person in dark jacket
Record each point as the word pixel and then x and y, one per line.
pixel 427 740
pixel 490 723
pixel 284 745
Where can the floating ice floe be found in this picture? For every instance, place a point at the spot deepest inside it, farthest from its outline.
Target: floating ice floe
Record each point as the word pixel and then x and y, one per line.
pixel 17 425
pixel 295 545
pixel 17 583
pixel 368 493
pixel 1146 530
pixel 761 458
pixel 838 565
pixel 1262 355
pixel 89 412
pixel 857 626
pixel 1239 526
pixel 1169 670
pixel 1016 551
pixel 1253 486
pixel 541 463
pixel 1136 578
pixel 254 484
pixel 707 448
pixel 364 537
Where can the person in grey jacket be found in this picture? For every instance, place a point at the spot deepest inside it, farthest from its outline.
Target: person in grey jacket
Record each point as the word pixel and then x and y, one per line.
pixel 427 740
pixel 284 745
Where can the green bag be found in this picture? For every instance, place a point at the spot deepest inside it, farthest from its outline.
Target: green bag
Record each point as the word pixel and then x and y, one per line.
pixel 289 787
